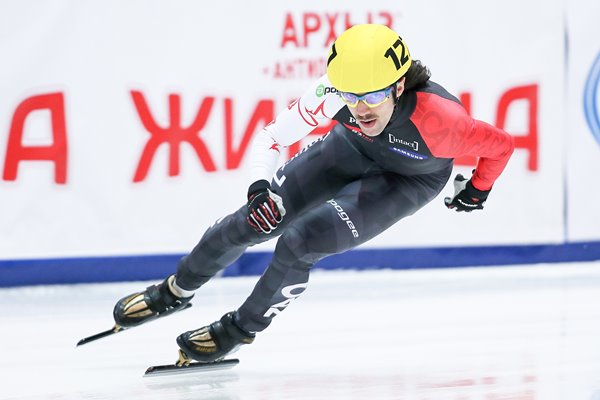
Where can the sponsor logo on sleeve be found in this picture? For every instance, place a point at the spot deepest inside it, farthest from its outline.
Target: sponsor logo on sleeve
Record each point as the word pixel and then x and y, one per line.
pixel 322 90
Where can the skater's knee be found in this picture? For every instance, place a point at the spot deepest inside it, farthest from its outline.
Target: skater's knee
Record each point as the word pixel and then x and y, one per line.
pixel 296 247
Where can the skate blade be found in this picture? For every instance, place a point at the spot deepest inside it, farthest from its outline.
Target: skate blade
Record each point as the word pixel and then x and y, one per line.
pixel 112 331
pixel 174 369
pixel 118 328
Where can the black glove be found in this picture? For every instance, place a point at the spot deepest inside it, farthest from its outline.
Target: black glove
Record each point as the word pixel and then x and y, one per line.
pixel 265 208
pixel 466 196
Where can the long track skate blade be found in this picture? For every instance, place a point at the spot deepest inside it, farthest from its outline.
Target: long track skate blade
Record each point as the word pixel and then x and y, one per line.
pixel 117 328
pixel 173 369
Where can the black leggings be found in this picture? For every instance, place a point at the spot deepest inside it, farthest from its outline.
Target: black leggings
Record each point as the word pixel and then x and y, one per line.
pixel 336 199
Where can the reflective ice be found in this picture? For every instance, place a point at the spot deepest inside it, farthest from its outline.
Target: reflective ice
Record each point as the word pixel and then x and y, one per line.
pixel 501 333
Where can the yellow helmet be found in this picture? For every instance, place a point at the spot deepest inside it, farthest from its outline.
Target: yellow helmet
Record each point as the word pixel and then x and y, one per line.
pixel 366 58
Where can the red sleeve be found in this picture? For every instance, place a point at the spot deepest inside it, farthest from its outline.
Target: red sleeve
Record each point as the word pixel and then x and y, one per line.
pixel 450 132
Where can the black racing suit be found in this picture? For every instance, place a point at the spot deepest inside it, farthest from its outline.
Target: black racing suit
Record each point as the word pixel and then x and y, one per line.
pixel 339 192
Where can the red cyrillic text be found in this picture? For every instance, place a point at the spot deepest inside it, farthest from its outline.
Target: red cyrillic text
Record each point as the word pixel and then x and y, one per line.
pixel 56 152
pixel 299 30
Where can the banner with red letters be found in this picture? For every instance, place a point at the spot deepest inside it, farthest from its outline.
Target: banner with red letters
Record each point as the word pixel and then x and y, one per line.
pixel 125 127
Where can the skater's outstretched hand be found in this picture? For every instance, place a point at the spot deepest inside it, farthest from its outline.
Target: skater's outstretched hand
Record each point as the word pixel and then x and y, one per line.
pixel 466 196
pixel 265 207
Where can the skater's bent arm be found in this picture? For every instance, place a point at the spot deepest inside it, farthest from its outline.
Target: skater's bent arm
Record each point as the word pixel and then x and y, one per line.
pixel 318 103
pixel 493 146
pixel 450 132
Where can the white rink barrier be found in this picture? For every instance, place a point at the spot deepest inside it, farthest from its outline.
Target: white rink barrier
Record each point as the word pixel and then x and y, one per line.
pixel 125 127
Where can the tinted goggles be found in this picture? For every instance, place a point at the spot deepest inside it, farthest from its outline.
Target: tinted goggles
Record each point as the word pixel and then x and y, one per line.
pixel 371 99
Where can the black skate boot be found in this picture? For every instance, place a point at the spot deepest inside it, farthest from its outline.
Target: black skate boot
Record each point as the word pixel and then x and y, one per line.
pixel 145 306
pixel 215 341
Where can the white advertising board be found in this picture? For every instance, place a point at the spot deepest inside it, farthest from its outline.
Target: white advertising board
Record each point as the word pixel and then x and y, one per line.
pixel 124 126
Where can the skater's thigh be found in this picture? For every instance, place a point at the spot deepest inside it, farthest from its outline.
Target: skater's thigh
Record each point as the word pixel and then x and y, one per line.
pixel 360 211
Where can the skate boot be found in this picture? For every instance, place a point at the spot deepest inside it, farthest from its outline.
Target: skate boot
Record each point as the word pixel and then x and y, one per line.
pixel 215 341
pixel 155 301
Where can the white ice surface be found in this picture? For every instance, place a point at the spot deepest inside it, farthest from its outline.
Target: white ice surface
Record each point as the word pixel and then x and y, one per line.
pixel 508 333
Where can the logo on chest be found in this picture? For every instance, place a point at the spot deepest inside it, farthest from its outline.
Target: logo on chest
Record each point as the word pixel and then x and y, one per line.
pixel 403 151
pixel 409 154
pixel 414 145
